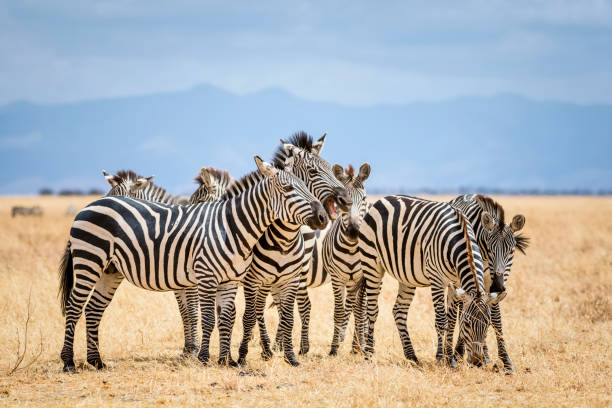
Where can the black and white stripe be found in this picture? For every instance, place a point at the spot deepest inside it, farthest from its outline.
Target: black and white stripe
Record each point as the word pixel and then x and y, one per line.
pixel 335 258
pixel 163 247
pixel 279 258
pixel 497 242
pixel 424 243
pixel 126 183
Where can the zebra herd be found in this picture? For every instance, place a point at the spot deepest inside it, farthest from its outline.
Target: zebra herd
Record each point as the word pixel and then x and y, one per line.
pixel 293 224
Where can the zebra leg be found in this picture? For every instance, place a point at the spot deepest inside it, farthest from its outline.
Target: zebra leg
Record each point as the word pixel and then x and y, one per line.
pixel 278 341
pixel 226 296
pixel 438 295
pixel 339 314
pixel 499 334
pixel 304 307
pixel 287 305
pixel 460 346
pixel 352 306
pixel 101 297
pixel 359 311
pixel 248 322
pixel 373 285
pixel 85 279
pixel 187 300
pixel 207 289
pixel 405 294
pixel 451 313
pixel 260 306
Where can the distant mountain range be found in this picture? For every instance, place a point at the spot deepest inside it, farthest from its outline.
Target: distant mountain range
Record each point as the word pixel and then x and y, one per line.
pixel 500 143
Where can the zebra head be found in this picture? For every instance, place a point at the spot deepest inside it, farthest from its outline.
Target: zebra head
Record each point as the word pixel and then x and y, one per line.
pixel 475 320
pixel 500 241
pixel 314 171
pixel 351 220
pixel 127 183
pixel 290 199
pixel 212 185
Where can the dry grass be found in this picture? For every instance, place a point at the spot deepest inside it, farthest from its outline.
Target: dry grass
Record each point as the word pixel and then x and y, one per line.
pixel 557 324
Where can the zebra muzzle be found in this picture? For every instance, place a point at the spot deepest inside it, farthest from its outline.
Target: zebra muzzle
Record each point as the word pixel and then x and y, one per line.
pixel 319 218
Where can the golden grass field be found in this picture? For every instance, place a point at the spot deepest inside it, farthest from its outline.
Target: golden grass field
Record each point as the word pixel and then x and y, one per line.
pixel 557 323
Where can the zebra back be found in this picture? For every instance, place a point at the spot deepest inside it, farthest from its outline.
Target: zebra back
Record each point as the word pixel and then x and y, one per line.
pixel 126 183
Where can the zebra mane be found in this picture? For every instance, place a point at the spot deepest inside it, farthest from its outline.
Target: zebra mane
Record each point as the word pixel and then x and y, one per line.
pixel 241 185
pixel 522 242
pixel 468 246
pixel 300 139
pixel 492 207
pixel 126 175
pixel 222 176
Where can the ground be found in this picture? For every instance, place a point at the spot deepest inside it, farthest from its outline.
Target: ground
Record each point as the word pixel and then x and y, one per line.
pixel 557 321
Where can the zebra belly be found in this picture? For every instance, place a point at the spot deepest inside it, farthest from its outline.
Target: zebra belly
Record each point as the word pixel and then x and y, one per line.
pixel 157 280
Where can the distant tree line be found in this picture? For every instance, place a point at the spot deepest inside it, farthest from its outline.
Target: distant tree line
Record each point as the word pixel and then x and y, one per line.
pixel 45 191
pixel 491 191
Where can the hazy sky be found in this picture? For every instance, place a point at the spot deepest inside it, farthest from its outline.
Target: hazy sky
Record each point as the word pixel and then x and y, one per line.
pixel 350 52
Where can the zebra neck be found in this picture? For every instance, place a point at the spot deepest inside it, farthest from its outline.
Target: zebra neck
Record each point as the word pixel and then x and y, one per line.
pixel 283 235
pixel 247 216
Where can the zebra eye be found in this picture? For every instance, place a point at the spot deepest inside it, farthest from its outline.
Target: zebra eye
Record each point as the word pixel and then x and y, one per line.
pixel 288 188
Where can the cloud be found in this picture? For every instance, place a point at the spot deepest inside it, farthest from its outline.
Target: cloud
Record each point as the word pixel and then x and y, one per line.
pixel 359 55
pixel 20 142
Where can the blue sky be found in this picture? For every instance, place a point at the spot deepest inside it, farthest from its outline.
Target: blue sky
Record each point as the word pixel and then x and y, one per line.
pixel 351 52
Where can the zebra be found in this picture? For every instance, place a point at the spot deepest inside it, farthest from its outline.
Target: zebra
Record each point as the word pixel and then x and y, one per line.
pixel 425 243
pixel 126 183
pixel 279 258
pixel 26 211
pixel 497 242
pixel 335 257
pixel 163 247
pixel 212 184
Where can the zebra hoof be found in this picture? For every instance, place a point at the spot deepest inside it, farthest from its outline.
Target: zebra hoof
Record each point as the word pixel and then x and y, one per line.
pixel 452 363
pixel 242 362
pixel 303 351
pixel 266 355
pixel 203 358
pixel 292 361
pixel 97 363
pixel 227 361
pixel 69 367
pixel 333 352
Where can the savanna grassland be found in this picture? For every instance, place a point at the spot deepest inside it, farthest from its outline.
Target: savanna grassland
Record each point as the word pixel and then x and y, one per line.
pixel 557 323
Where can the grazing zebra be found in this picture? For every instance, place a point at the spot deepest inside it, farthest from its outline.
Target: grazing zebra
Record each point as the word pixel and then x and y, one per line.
pixel 164 247
pixel 497 242
pixel 26 211
pixel 425 243
pixel 279 258
pixel 126 183
pixel 335 257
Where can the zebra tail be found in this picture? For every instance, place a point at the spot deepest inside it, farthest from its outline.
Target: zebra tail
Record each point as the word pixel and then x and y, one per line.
pixel 66 277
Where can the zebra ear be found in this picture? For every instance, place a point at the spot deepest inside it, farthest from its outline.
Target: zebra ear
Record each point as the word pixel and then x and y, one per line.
pixel 518 222
pixel 487 221
pixel 205 177
pixel 265 168
pixel 141 183
pixel 111 179
pixel 338 172
pixel 364 172
pixel 318 145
